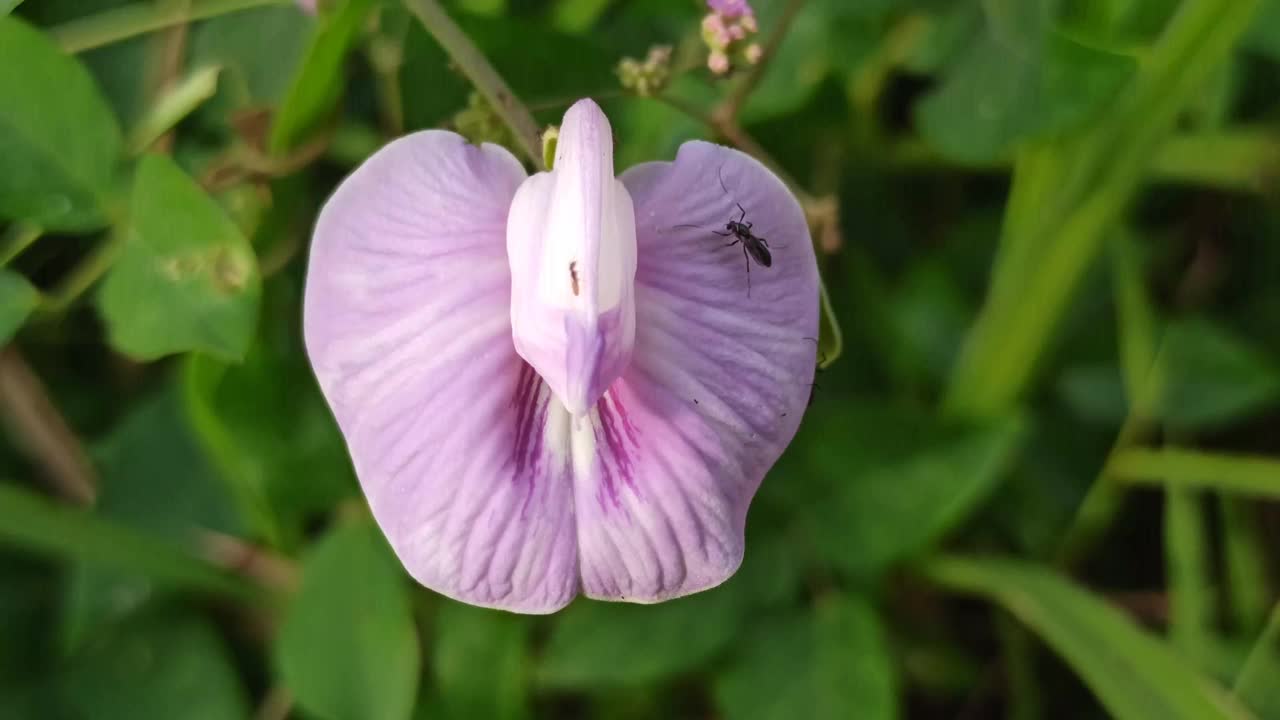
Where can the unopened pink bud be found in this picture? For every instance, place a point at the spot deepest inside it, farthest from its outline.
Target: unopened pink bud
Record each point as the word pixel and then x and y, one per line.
pixel 718 62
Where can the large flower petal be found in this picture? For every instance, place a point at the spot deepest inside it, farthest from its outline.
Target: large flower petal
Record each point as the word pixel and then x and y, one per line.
pixel 717 383
pixel 407 319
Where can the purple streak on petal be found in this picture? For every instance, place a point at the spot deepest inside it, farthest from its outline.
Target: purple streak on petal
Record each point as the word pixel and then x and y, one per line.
pixel 718 380
pixel 572 251
pixel 615 434
pixel 463 455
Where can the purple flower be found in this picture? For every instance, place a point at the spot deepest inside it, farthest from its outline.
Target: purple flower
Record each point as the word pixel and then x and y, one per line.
pixel 730 8
pixel 558 384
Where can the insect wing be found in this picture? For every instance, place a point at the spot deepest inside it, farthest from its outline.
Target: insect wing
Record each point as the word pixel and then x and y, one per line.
pixel 757 251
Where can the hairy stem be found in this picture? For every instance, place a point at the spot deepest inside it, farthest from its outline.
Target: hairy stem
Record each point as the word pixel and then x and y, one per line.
pixel 486 80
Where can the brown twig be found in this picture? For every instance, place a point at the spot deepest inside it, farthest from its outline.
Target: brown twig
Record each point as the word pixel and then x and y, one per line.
pixel 258 564
pixel 42 431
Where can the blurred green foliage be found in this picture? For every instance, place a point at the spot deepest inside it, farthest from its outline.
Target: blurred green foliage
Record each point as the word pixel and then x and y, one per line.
pixel 1050 232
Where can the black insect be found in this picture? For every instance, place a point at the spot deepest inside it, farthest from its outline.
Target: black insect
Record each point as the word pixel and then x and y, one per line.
pixel 754 247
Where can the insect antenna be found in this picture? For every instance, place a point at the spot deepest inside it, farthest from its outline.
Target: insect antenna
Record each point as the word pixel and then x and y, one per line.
pixel 678 227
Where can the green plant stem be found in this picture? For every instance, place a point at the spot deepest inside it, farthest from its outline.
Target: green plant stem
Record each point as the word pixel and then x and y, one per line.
pixel 1256 682
pixel 31 523
pixel 1048 245
pixel 486 80
pixel 18 237
pixel 83 276
pixel 1242 159
pixel 1187 567
pixel 1185 468
pixel 172 106
pixel 129 21
pixel 1244 551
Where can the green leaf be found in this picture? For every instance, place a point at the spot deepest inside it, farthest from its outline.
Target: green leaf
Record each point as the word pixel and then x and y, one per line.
pixel 801 63
pixel 830 664
pixel 58 138
pixel 1094 393
pixel 348 649
pixel 480 658
pixel 265 425
pixel 895 480
pixel 31 523
pixel 1255 684
pixel 7 6
pixel 1020 80
pixel 318 84
pixel 156 480
pixel 1263 35
pixel 595 644
pixel 259 51
pixel 17 299
pixel 1210 377
pixel 164 666
pixel 186 278
pixel 1134 674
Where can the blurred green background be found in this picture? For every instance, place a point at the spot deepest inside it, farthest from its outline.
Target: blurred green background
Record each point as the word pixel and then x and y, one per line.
pixel 1039 482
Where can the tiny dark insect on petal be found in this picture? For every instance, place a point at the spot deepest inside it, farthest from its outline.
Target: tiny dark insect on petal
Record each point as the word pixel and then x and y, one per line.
pixel 573 276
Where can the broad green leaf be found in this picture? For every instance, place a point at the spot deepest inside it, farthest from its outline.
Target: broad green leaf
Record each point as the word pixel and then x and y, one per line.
pixel 7 6
pixel 318 84
pixel 155 479
pixel 348 649
pixel 1210 377
pixel 259 51
pixel 1094 393
pixel 186 278
pixel 930 315
pixel 595 644
pixel 17 299
pixel 893 480
pixel 480 659
pixel 1135 675
pixel 832 663
pixel 1020 80
pixel 1263 35
pixel 58 138
pixel 265 425
pixel 800 64
pixel 170 665
pixel 34 524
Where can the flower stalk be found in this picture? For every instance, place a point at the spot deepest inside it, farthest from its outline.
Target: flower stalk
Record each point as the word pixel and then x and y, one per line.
pixel 486 80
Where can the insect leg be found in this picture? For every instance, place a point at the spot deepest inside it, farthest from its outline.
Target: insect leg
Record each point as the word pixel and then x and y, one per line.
pixel 743 216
